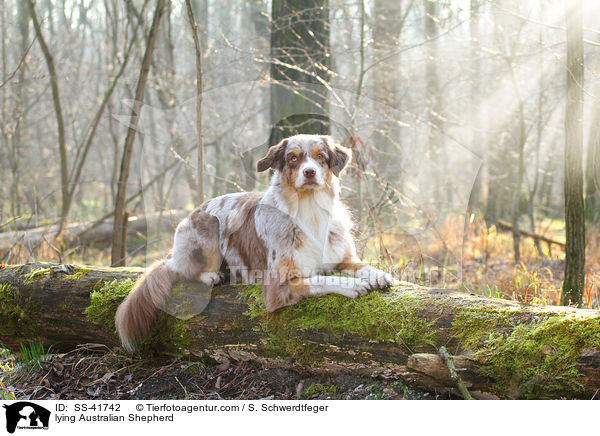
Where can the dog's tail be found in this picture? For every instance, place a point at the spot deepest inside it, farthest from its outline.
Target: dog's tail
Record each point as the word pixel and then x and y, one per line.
pixel 137 315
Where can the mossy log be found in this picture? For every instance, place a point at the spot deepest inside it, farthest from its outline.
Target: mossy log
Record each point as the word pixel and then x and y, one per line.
pixel 505 348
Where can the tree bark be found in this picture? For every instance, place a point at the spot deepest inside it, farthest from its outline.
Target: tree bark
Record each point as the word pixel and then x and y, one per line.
pixel 573 285
pixel 300 62
pixel 198 51
pixel 118 252
pixel 14 155
pixel 49 306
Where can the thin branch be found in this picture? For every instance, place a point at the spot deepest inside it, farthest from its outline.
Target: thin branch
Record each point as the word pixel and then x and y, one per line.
pixel 11 75
pixel 62 145
pixel 454 374
pixel 198 51
pixel 410 47
pixel 78 164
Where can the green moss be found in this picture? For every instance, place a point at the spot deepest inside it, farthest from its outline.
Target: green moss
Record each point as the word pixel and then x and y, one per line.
pixel 319 389
pixel 380 316
pixel 527 354
pixel 106 300
pixel 78 274
pixel 474 327
pixel 169 334
pixel 36 274
pixel 535 359
pixel 15 312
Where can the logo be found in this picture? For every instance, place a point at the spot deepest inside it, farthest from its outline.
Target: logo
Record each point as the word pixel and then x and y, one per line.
pixel 26 415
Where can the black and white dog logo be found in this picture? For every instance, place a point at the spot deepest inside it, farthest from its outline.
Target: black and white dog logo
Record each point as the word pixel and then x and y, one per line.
pixel 26 415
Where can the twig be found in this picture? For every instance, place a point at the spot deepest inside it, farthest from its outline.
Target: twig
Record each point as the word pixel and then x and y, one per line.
pixel 11 75
pixel 183 387
pixel 455 377
pixel 55 248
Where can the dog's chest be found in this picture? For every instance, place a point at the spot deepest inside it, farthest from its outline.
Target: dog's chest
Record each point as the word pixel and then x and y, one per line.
pixel 312 258
pixel 322 248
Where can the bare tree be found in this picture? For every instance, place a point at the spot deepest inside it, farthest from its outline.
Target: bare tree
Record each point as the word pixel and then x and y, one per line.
pixel 573 284
pixel 118 252
pixel 592 170
pixel 60 124
pixel 433 93
pixel 520 140
pixel 14 142
pixel 299 55
pixel 388 20
pixel 198 51
pixel 73 175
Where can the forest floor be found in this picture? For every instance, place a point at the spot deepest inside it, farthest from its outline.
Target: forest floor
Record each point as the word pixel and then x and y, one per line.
pixel 487 268
pixel 95 372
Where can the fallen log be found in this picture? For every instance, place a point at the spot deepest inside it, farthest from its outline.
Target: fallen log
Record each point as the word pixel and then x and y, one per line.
pixel 503 225
pixel 505 348
pixel 87 234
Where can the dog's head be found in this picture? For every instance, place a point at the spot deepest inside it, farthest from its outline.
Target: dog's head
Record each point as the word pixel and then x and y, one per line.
pixel 306 161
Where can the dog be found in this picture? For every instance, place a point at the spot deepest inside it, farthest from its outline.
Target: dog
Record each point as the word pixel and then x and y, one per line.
pixel 289 237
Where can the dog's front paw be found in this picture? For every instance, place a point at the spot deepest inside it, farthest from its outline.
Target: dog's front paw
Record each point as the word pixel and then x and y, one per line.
pixel 210 278
pixel 353 287
pixel 376 278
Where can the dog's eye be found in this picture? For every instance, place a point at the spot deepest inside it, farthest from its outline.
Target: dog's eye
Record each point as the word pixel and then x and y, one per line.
pixel 293 158
pixel 321 156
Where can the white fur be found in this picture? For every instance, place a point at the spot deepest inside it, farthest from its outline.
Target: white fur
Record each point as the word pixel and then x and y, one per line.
pixel 350 287
pixel 185 240
pixel 312 165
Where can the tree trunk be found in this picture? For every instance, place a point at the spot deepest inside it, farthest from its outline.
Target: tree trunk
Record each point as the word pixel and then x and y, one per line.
pixel 19 111
pixel 433 99
pixel 509 349
pixel 520 154
pixel 573 285
pixel 388 21
pixel 299 68
pixel 198 51
pixel 538 144
pixel 478 139
pixel 118 253
pixel 60 125
pixel 592 171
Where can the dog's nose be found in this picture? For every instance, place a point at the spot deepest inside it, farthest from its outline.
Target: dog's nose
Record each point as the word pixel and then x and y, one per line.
pixel 309 173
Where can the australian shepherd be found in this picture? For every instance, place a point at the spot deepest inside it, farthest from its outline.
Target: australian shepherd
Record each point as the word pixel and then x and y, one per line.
pixel 288 237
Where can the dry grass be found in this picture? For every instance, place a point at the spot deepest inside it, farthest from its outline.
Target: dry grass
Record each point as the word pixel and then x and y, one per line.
pixel 479 259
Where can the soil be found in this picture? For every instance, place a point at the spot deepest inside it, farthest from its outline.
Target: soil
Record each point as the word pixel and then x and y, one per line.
pixel 94 372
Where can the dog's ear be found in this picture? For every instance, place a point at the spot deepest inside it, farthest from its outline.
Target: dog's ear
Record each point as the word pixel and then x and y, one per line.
pixel 339 157
pixel 274 158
